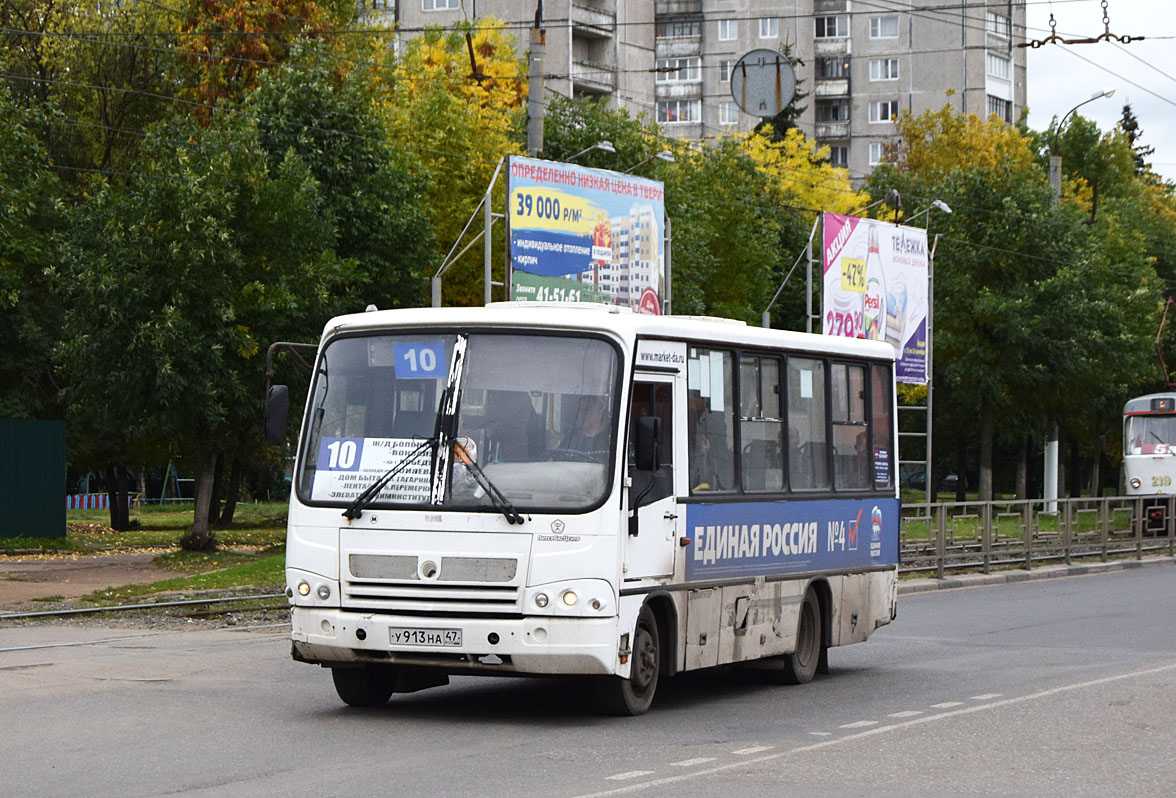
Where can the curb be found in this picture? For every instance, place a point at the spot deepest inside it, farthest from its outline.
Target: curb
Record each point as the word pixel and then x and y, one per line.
pixel 1006 577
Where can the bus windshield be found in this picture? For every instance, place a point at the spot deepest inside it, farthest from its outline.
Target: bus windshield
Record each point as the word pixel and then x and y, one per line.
pixel 527 417
pixel 1147 434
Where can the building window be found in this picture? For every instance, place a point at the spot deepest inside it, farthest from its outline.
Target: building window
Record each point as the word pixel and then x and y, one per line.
pixel 997 24
pixel 884 27
pixel 678 28
pixel 440 5
pixel 728 114
pixel 832 27
pixel 676 111
pixel 883 110
pixel 883 69
pixel 1000 108
pixel 728 30
pixel 679 70
pixel 725 67
pixel 832 68
pixel 839 155
pixel 875 153
pixel 1000 66
pixel 769 28
pixel 836 110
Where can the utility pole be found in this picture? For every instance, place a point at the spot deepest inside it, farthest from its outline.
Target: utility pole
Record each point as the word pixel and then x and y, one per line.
pixel 535 85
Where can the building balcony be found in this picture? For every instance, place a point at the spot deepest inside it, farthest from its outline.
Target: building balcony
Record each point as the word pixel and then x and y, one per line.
pixel 677 46
pixel 675 91
pixel 589 77
pixel 832 130
pixel 831 88
pixel 592 22
pixel 676 7
pixel 830 48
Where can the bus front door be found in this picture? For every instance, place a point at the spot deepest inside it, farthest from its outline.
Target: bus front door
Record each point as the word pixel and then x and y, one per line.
pixel 652 505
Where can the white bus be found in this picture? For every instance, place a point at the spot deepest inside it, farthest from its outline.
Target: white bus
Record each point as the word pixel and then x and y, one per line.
pixel 1149 453
pixel 578 489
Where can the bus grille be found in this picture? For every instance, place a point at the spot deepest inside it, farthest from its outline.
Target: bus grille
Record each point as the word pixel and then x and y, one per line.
pixel 392 583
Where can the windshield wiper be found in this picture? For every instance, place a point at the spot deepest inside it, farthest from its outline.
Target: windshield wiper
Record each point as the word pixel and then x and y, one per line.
pixel 500 502
pixel 356 508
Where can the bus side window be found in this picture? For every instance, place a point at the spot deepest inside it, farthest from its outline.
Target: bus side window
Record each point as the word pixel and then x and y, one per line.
pixel 851 440
pixel 652 400
pixel 808 443
pixel 710 420
pixel 761 424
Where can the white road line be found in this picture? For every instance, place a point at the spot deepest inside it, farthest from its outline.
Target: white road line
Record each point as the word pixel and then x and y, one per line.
pixel 947 705
pixel 859 724
pixel 686 763
pixel 755 749
pixel 909 713
pixel 632 774
pixel 804 749
pixel 821 734
pixel 986 696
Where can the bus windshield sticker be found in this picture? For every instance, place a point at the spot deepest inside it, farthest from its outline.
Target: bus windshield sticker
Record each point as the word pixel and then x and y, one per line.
pixel 739 540
pixel 347 466
pixel 420 359
pixel 806 384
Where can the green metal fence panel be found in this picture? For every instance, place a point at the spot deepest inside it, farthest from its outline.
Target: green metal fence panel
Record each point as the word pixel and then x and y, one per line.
pixel 32 479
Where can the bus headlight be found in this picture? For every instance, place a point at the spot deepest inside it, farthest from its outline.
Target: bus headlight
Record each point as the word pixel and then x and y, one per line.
pixel 570 598
pixel 304 588
pixel 540 599
pixel 1135 483
pixel 324 592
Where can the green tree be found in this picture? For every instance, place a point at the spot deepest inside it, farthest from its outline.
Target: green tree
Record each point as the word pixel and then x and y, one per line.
pixel 31 211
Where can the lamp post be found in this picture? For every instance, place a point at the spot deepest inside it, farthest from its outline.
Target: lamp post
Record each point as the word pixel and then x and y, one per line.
pixel 605 146
pixel 1055 159
pixel 1050 477
pixel 664 155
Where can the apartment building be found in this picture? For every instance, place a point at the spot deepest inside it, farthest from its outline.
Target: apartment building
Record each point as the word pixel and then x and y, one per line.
pixel 862 62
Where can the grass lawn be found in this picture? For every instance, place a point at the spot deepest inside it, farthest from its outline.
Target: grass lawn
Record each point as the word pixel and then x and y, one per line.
pixel 158 526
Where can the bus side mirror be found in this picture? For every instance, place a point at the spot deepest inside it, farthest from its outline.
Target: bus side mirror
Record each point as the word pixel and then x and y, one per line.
pixel 648 435
pixel 277 409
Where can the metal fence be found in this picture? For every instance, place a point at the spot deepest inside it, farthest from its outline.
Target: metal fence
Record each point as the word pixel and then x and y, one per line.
pixel 982 536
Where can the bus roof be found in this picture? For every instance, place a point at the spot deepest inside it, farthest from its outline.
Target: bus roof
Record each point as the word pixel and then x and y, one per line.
pixel 584 316
pixel 1151 403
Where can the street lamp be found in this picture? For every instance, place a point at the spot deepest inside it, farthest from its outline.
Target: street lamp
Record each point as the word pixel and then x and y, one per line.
pixel 935 205
pixel 1055 159
pixel 606 146
pixel 664 155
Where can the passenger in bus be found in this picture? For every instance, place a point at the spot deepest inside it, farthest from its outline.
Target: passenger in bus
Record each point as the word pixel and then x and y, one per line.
pixel 588 438
pixel 512 429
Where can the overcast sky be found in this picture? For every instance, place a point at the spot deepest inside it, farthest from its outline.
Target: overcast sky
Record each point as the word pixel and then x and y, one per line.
pixel 1143 73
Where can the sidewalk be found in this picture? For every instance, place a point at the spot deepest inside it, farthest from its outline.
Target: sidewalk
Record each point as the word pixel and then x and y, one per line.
pixel 908 586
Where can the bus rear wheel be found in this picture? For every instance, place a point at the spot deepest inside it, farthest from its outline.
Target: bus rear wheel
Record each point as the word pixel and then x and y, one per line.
pixel 633 696
pixel 800 666
pixel 367 686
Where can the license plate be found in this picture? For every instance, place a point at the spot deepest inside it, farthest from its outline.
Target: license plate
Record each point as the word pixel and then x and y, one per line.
pixel 440 638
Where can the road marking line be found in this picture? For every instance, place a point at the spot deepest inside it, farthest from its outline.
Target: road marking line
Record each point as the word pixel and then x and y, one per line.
pixel 859 724
pixel 821 734
pixel 685 763
pixel 632 774
pixel 986 697
pixel 909 713
pixel 947 705
pixel 755 749
pixel 804 749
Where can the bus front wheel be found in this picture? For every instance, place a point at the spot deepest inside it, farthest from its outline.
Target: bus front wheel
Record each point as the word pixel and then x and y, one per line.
pixel 367 686
pixel 633 696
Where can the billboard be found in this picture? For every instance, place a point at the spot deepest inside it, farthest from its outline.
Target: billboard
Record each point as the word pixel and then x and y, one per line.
pixel 584 235
pixel 875 286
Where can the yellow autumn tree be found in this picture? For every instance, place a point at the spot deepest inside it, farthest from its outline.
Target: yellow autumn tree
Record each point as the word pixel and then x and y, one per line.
pixel 454 99
pixel 801 172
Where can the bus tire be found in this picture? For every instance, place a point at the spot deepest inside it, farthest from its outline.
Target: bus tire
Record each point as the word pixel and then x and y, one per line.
pixel 633 695
pixel 367 686
pixel 801 665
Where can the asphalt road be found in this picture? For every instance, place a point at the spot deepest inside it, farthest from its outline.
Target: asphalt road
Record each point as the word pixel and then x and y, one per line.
pixel 1050 688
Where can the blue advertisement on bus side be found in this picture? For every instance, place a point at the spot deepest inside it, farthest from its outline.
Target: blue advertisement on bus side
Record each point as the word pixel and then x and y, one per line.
pixel 750 539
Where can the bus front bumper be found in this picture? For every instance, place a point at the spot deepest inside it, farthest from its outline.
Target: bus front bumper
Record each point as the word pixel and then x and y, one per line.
pixel 529 645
